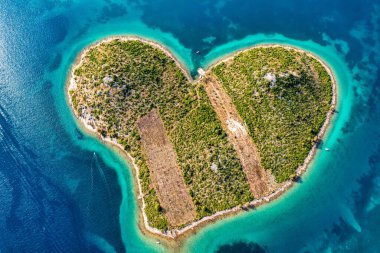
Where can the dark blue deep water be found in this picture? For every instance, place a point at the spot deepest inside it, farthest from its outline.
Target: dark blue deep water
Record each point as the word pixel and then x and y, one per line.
pixel 64 191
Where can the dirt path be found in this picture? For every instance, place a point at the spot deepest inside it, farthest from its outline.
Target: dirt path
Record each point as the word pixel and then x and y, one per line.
pixel 165 172
pixel 238 135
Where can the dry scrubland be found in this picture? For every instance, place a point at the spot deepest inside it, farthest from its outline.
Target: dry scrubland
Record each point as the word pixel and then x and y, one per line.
pixel 277 97
pixel 238 136
pixel 164 170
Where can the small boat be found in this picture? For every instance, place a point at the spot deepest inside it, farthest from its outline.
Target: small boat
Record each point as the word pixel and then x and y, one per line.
pixel 327 149
pixel 197 52
pixel 157 242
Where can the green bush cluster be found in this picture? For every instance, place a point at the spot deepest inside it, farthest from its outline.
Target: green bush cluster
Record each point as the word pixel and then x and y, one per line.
pixel 283 115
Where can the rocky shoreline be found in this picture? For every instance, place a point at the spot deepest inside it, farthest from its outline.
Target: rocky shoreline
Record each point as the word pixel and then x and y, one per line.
pixel 87 125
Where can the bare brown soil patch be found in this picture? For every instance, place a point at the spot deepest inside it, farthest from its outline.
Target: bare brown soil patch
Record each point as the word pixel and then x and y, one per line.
pixel 164 170
pixel 239 137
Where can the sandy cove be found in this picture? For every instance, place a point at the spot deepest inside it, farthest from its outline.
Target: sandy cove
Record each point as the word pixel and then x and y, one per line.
pixel 180 234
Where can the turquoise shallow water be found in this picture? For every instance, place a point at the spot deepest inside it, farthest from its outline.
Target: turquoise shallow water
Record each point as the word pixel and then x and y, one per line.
pixel 65 191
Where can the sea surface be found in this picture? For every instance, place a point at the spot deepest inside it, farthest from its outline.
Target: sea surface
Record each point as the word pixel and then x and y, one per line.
pixel 64 191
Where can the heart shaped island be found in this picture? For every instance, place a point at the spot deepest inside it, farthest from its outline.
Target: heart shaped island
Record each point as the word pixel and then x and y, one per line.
pixel 234 138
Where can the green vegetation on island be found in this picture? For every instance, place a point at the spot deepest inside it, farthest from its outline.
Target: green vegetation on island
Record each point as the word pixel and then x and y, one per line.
pixel 202 145
pixel 283 95
pixel 120 81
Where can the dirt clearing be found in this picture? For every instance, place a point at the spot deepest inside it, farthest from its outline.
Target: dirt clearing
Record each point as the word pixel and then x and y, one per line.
pixel 238 135
pixel 164 170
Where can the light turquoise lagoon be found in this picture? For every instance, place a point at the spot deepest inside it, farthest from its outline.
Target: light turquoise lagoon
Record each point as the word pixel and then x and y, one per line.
pixel 65 191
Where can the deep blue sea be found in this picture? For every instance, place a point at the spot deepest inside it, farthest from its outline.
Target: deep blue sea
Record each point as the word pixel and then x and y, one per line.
pixel 64 191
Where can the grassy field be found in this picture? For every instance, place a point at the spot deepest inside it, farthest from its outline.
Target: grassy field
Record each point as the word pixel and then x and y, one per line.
pixel 120 81
pixel 283 96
